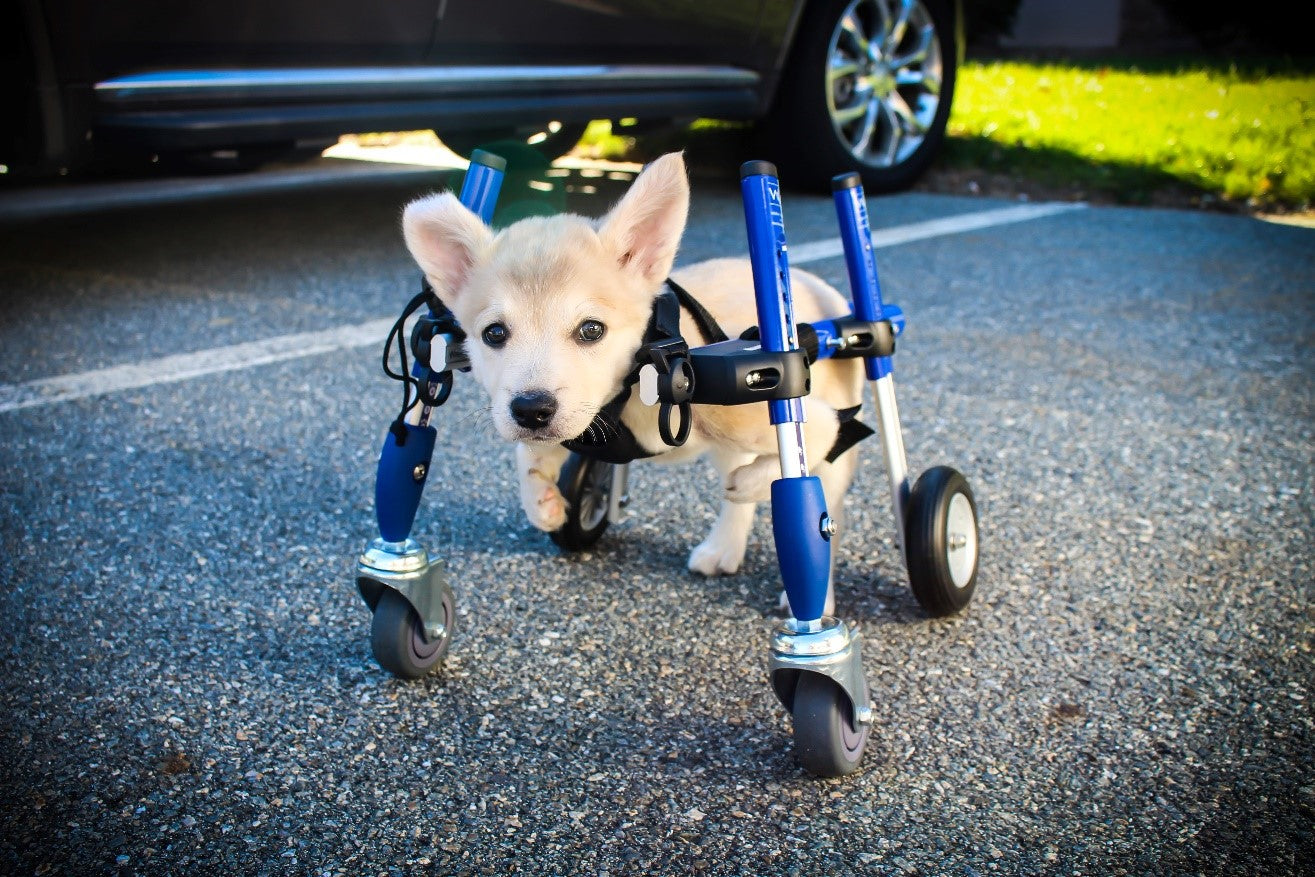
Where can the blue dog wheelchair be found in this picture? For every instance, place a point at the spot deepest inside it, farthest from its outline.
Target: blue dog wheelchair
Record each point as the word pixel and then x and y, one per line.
pixel 815 664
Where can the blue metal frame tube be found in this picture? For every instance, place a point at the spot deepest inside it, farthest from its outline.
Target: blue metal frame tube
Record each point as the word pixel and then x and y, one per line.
pixel 404 468
pixel 856 236
pixel 479 194
pixel 479 191
pixel 799 518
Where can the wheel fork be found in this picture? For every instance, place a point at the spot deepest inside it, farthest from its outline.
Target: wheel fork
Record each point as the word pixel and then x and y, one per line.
pixel 406 568
pixel 828 647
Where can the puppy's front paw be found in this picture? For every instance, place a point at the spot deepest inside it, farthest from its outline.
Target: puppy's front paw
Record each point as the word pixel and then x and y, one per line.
pixel 712 558
pixel 545 506
pixel 752 482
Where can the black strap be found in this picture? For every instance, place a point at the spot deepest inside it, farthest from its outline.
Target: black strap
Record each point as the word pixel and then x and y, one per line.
pixel 709 328
pixel 851 432
pixel 397 334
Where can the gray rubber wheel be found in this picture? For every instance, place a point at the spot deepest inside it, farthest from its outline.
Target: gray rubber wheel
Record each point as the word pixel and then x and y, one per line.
pixel 825 739
pixel 585 484
pixel 398 638
pixel 940 538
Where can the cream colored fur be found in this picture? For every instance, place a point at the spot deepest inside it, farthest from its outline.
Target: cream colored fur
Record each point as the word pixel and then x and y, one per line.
pixel 542 277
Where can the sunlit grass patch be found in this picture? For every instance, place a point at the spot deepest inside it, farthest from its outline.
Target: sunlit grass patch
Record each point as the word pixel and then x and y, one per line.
pixel 1240 135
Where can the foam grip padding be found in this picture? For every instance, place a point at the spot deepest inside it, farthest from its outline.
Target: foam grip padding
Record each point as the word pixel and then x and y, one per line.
pixel 396 488
pixel 798 510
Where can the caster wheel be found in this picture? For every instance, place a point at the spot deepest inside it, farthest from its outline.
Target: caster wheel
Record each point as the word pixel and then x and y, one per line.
pixel 398 638
pixel 586 485
pixel 940 536
pixel 825 739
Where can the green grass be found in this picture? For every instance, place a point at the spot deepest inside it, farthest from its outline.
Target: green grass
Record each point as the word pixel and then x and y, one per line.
pixel 1239 135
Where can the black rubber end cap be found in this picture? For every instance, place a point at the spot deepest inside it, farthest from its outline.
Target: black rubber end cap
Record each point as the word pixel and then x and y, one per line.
pixel 757 168
pixel 489 160
pixel 850 180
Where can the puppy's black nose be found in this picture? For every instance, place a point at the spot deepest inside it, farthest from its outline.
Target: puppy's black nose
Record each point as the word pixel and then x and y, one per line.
pixel 534 409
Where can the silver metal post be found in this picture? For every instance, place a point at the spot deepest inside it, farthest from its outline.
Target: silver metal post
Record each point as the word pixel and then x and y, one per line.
pixel 790 443
pixel 892 445
pixel 618 496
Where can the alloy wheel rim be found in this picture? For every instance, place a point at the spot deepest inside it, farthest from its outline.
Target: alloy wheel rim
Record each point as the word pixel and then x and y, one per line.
pixel 593 496
pixel 883 79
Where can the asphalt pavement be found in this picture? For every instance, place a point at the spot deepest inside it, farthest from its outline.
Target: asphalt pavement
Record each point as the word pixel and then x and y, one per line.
pixel 186 685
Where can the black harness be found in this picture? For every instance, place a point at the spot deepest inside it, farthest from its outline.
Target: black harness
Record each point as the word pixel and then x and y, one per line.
pixel 607 438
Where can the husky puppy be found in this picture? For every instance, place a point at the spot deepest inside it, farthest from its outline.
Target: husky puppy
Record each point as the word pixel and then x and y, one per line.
pixel 555 309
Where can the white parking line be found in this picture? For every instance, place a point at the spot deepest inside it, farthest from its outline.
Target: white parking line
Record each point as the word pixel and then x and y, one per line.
pixel 183 366
pixel 933 228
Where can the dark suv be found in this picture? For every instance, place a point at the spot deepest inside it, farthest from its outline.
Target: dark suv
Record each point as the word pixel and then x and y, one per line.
pixel 832 84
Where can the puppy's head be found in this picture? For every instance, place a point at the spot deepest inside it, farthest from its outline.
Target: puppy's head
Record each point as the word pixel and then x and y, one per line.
pixel 554 308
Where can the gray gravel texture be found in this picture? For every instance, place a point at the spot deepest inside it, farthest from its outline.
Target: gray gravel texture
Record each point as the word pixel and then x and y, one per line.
pixel 186 683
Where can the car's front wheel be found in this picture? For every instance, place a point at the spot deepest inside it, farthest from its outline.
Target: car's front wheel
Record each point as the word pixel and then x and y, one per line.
pixel 868 88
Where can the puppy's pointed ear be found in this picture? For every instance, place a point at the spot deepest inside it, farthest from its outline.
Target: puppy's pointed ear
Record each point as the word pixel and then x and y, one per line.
pixel 446 240
pixel 642 232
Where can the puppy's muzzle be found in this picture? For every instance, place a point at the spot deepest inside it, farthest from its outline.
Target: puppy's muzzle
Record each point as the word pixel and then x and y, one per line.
pixel 534 409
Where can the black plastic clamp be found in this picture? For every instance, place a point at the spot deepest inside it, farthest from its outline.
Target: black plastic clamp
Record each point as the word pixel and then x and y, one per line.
pixel 864 338
pixel 739 371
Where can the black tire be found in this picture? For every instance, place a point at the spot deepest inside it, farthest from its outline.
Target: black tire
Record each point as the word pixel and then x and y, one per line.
pixel 548 142
pixel 941 521
pixel 398 638
pixel 825 740
pixel 910 119
pixel 585 484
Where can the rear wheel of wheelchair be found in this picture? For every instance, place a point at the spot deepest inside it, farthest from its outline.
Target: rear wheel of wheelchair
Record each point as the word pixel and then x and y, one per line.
pixel 827 741
pixel 940 537
pixel 398 638
pixel 586 485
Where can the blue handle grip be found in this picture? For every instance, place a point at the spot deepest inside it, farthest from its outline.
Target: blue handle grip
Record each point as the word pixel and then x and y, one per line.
pixel 771 271
pixel 396 487
pixel 804 554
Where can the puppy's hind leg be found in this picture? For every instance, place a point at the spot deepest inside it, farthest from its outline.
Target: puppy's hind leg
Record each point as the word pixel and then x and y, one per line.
pixel 538 468
pixel 753 481
pixel 722 552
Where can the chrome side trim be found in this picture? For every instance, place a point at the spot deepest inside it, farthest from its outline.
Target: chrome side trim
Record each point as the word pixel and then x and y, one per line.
pixel 419 79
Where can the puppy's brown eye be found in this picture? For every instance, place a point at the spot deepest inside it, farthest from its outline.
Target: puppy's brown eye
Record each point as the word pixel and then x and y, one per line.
pixel 590 331
pixel 495 334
